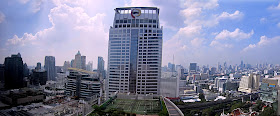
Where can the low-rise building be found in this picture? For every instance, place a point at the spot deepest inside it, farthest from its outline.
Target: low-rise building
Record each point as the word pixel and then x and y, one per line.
pixel 250 83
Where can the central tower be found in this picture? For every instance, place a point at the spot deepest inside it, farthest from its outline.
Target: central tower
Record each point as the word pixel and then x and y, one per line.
pixel 135 51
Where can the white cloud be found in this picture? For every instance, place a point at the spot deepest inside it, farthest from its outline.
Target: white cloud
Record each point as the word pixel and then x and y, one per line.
pixel 264 42
pixel 236 15
pixel 236 34
pixel 275 7
pixel 72 30
pixel 219 45
pixel 278 25
pixel 36 5
pixel 2 17
pixel 197 42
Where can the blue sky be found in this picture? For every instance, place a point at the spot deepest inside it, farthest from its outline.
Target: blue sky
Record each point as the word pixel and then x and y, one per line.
pixel 202 31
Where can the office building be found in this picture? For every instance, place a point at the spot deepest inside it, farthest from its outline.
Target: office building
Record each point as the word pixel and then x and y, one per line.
pixel 89 66
pixel 80 61
pixel 2 73
pixel 39 77
pixel 135 51
pixel 83 84
pixel 66 65
pixel 249 84
pixel 100 67
pixel 25 70
pixel 83 62
pixel 193 67
pixel 14 72
pixel 38 67
pixel 50 67
pixel 269 92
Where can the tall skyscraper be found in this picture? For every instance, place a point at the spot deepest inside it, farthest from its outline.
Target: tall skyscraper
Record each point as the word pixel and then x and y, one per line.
pixel 80 61
pixel 14 72
pixel 100 67
pixel 83 62
pixel 135 51
pixel 50 67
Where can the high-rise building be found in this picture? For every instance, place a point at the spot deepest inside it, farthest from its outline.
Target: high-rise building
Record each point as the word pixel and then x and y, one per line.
pixel 100 67
pixel 89 66
pixel 38 67
pixel 66 65
pixel 14 72
pixel 39 77
pixel 2 73
pixel 83 62
pixel 193 67
pixel 25 70
pixel 135 51
pixel 80 61
pixel 171 67
pixel 50 67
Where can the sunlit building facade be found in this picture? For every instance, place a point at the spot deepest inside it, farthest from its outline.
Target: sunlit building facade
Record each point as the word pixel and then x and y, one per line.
pixel 135 51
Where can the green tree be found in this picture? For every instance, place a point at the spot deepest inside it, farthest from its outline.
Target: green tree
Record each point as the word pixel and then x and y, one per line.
pixel 202 97
pixel 268 111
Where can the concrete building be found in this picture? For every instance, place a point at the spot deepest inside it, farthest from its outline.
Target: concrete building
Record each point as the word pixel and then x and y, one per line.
pixel 249 83
pixel 269 92
pixel 66 65
pixel 100 67
pixel 83 84
pixel 14 72
pixel 135 51
pixel 89 66
pixel 193 67
pixel 220 83
pixel 39 77
pixel 50 67
pixel 169 87
pixel 38 66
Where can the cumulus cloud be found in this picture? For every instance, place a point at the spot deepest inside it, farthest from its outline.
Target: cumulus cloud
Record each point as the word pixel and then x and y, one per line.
pixel 236 34
pixel 263 20
pixel 72 30
pixel 219 45
pixel 264 41
pixel 2 17
pixel 23 1
pixel 225 15
pixel 139 3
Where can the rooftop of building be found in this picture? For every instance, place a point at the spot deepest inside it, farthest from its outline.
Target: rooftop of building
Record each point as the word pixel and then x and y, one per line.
pixel 81 70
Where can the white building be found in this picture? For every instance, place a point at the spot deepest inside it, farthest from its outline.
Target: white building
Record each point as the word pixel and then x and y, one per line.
pixel 249 83
pixel 83 84
pixel 169 87
pixel 135 51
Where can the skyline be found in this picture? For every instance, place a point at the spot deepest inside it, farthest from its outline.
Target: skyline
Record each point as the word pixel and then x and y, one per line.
pixel 196 31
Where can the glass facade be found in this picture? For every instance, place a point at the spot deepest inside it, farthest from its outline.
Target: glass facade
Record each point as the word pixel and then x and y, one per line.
pixel 135 51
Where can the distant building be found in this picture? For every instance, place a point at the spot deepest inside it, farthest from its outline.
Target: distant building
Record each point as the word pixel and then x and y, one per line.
pixel 25 70
pixel 83 84
pixel 100 67
pixel 66 65
pixel 83 62
pixel 2 73
pixel 38 67
pixel 38 77
pixel 80 61
pixel 89 66
pixel 250 83
pixel 193 67
pixel 14 72
pixel 50 67
pixel 213 70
